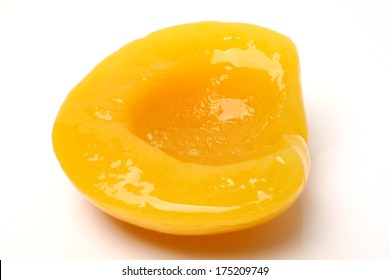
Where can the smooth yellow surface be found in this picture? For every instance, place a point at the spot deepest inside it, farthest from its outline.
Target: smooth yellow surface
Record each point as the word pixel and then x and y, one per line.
pixel 194 129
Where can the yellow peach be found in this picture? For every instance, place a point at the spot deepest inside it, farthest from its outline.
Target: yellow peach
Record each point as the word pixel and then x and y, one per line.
pixel 195 129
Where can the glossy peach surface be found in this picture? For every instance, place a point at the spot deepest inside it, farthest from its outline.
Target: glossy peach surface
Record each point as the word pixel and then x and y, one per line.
pixel 194 129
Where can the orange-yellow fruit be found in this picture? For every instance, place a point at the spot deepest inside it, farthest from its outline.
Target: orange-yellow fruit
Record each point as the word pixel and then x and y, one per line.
pixel 194 129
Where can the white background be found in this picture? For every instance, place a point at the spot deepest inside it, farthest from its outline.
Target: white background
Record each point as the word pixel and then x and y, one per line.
pixel 47 47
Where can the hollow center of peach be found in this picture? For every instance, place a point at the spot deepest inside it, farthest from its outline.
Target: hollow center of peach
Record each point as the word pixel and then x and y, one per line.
pixel 221 115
